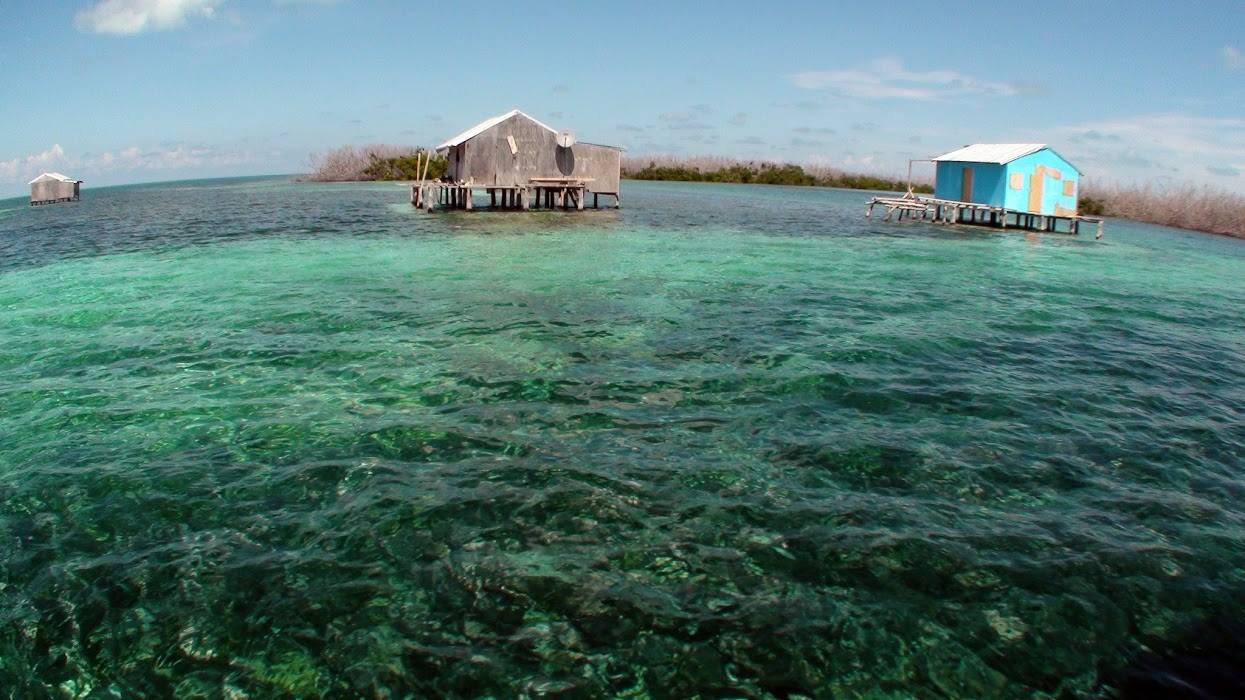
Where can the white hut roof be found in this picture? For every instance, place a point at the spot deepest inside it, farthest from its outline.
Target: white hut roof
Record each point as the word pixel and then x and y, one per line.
pixel 52 176
pixel 486 125
pixel 998 153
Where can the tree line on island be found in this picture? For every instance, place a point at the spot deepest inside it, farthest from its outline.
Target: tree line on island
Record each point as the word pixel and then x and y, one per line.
pixel 759 172
pixel 1197 208
pixel 382 162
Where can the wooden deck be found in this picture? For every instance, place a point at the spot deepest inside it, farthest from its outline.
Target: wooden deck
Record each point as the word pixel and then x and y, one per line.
pixel 41 202
pixel 945 211
pixel 540 193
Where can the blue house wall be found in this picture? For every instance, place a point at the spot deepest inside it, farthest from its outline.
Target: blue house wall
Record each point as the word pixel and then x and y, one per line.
pixel 1054 201
pixel 992 183
pixel 989 182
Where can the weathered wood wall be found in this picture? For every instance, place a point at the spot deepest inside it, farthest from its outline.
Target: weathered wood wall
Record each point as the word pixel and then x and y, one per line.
pixel 487 159
pixel 51 190
pixel 601 164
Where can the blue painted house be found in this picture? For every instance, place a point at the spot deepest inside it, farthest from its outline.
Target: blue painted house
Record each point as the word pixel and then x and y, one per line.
pixel 1024 177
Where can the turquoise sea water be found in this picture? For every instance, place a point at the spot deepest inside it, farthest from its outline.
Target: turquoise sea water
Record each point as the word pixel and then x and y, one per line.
pixel 264 439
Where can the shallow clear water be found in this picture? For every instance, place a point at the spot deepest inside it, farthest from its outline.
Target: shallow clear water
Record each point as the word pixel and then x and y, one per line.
pixel 269 439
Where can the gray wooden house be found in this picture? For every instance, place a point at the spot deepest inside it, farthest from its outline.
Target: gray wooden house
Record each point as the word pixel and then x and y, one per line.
pixel 515 155
pixel 49 188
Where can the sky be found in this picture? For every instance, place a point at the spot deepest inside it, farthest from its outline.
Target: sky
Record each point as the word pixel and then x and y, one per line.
pixel 118 91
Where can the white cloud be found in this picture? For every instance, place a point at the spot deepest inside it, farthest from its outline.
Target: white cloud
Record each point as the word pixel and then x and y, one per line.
pixel 176 157
pixel 887 78
pixel 1232 58
pixel 685 121
pixel 127 17
pixel 180 157
pixel 27 167
pixel 1175 146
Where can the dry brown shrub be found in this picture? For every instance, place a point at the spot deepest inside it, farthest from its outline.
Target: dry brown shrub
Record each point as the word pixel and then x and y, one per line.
pixel 1193 207
pixel 349 163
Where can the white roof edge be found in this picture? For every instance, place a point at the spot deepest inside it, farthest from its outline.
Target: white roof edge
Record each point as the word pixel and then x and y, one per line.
pixel 998 153
pixel 52 176
pixel 489 124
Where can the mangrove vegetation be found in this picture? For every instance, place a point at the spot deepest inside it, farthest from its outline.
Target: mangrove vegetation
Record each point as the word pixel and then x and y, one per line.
pixel 707 169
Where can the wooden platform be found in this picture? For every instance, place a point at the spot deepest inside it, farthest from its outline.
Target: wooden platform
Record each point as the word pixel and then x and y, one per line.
pixel 945 211
pixel 539 193
pixel 41 202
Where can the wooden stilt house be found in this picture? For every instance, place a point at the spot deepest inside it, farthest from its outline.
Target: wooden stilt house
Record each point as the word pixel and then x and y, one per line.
pixel 50 188
pixel 1025 177
pixel 1005 185
pixel 516 156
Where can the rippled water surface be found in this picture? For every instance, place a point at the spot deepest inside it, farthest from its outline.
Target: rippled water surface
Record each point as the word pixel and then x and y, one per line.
pixel 263 439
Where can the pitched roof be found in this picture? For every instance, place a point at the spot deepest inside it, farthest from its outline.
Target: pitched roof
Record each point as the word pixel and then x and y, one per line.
pixel 999 153
pixel 52 176
pixel 486 125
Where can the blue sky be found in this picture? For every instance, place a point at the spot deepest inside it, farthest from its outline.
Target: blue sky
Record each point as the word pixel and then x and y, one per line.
pixel 118 91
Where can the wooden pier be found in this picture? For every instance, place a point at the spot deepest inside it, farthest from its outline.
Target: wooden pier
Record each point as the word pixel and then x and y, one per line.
pixel 945 211
pixel 540 193
pixel 41 202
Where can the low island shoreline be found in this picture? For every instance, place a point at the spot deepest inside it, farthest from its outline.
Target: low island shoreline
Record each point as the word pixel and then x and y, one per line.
pixel 1189 207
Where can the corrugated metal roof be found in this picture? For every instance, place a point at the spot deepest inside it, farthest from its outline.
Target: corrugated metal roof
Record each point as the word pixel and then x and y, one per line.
pixel 999 153
pixel 52 176
pixel 485 126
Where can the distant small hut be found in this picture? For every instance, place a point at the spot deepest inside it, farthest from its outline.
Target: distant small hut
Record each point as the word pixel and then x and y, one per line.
pixel 514 156
pixel 1024 177
pixel 50 188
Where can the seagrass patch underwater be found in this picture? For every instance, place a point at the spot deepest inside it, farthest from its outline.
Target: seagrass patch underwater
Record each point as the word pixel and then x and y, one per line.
pixel 263 439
